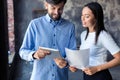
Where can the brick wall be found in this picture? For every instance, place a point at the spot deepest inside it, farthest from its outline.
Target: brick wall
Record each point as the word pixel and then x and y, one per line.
pixel 11 26
pixel 11 38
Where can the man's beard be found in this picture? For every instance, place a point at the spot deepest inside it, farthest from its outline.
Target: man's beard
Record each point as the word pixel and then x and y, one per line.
pixel 58 18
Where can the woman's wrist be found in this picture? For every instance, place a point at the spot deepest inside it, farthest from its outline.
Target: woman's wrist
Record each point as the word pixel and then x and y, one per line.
pixel 99 68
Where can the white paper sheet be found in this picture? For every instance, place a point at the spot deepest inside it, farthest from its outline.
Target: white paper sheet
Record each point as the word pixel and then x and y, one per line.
pixel 54 53
pixel 78 58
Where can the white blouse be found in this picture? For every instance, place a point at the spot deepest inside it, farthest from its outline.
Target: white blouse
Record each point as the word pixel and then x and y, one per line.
pixel 98 52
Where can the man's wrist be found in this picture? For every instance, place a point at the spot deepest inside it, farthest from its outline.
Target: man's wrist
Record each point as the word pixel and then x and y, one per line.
pixel 33 56
pixel 67 65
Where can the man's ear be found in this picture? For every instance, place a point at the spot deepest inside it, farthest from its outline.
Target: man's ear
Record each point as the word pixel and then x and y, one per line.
pixel 45 4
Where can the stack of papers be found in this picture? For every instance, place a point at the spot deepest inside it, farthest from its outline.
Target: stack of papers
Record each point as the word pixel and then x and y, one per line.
pixel 54 53
pixel 78 58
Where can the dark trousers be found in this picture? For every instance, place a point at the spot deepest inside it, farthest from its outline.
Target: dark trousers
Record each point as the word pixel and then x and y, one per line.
pixel 102 75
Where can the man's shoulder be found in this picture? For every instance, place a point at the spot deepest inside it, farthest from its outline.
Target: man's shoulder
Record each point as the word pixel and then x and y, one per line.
pixel 66 21
pixel 38 19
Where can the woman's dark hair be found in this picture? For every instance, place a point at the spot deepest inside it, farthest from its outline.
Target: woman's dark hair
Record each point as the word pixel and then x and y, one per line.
pixel 55 2
pixel 97 11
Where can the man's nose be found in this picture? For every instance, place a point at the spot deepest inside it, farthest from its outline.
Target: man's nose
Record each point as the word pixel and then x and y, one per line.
pixel 56 11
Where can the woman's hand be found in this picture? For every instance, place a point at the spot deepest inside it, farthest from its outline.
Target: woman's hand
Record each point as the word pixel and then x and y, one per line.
pixel 114 62
pixel 72 69
pixel 61 63
pixel 91 70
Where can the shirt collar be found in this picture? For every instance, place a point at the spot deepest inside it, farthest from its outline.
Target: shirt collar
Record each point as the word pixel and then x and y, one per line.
pixel 50 20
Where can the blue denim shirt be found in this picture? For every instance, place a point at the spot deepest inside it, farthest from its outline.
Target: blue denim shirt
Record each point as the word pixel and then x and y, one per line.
pixel 45 32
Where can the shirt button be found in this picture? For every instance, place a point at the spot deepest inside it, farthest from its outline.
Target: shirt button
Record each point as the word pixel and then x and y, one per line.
pixel 54 34
pixel 53 44
pixel 53 65
pixel 52 74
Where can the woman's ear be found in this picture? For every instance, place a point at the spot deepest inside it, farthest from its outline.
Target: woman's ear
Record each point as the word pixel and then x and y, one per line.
pixel 95 21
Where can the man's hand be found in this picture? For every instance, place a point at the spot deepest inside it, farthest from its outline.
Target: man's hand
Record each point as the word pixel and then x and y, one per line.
pixel 72 69
pixel 40 53
pixel 61 63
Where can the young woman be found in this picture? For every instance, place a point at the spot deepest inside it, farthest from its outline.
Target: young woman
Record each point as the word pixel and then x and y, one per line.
pixel 99 41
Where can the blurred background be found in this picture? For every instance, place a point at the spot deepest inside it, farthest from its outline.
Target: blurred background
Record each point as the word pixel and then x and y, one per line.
pixel 20 12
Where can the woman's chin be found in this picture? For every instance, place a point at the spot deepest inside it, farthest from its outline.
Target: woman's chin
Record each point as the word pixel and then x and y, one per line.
pixel 84 26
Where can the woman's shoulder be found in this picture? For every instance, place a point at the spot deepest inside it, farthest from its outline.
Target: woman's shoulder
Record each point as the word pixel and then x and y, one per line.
pixel 104 33
pixel 83 32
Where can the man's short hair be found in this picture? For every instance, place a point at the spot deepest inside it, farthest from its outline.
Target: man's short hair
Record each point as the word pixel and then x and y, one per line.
pixel 55 2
